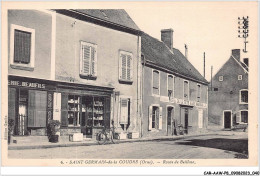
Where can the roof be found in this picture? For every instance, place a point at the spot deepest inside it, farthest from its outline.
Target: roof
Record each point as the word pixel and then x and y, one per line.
pixel 158 53
pixel 116 16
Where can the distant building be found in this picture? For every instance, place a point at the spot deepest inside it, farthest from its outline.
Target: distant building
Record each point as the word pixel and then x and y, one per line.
pixel 228 93
pixel 174 92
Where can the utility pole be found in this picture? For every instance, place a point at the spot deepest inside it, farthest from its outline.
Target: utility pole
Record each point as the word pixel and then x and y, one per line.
pixel 204 66
pixel 211 77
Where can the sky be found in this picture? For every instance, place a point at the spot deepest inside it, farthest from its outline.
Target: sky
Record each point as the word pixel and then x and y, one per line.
pixel 204 26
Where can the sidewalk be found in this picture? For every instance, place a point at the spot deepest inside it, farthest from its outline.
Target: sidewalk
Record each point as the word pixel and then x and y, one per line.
pixel 64 141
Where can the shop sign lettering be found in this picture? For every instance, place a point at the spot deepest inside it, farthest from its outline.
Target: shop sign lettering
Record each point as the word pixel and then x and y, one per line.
pixel 26 84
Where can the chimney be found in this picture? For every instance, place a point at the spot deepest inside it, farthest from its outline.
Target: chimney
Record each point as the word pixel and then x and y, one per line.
pixel 236 54
pixel 167 37
pixel 186 51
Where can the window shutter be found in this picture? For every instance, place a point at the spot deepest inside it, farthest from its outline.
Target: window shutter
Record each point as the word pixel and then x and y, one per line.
pixel 200 118
pixel 94 60
pixel 86 54
pixel 123 66
pixel 64 110
pixel 129 67
pixel 150 114
pixel 31 108
pixel 124 111
pixel 40 108
pixel 160 118
pixel 120 67
pixel 22 46
pixel 11 103
pixel 238 117
pixel 57 106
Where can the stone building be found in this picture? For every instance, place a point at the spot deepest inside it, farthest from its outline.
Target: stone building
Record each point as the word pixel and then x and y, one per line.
pixel 76 66
pixel 228 93
pixel 175 95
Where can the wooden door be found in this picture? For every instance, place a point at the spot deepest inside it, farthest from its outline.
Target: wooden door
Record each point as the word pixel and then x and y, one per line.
pixel 186 121
pixel 227 119
pixel 170 123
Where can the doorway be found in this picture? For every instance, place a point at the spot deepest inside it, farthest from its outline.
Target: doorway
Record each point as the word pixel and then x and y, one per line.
pixel 170 121
pixel 186 121
pixel 227 119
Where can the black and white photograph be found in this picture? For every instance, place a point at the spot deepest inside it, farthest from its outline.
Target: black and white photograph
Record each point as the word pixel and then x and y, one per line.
pixel 130 83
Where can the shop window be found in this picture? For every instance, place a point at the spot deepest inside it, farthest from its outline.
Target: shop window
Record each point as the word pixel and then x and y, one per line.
pixel 170 86
pixel 244 116
pixel 85 111
pixel 186 90
pixel 125 66
pixel 198 92
pixel 73 110
pixel 243 96
pixel 220 78
pixel 22 46
pixel 88 60
pixel 155 118
pixel 240 77
pixel 156 82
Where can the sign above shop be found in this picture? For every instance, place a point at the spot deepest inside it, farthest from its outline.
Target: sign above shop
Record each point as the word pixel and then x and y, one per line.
pixel 26 84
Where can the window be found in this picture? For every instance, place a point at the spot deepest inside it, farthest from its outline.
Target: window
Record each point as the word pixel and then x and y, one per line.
pixel 186 90
pixel 125 66
pixel 215 89
pixel 88 59
pixel 239 77
pixel 156 82
pixel 246 61
pixel 170 86
pixel 244 116
pixel 220 78
pixel 243 96
pixel 155 117
pixel 198 93
pixel 22 45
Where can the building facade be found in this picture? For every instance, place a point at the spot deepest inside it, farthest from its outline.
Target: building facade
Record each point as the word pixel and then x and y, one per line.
pixel 76 66
pixel 174 92
pixel 228 93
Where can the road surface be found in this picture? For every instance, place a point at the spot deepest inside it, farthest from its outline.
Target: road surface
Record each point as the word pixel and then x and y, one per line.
pixel 200 147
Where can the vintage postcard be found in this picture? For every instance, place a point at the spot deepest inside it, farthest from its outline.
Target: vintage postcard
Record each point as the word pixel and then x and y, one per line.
pixel 130 84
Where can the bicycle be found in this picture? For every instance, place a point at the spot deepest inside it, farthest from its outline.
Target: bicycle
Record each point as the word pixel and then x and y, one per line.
pixel 106 135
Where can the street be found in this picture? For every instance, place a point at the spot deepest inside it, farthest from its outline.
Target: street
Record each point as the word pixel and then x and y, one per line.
pixel 199 147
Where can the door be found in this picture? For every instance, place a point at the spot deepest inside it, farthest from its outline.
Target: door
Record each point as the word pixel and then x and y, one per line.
pixel 170 121
pixel 186 122
pixel 227 119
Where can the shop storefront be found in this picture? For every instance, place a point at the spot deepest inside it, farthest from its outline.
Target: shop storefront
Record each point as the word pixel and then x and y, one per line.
pixel 79 108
